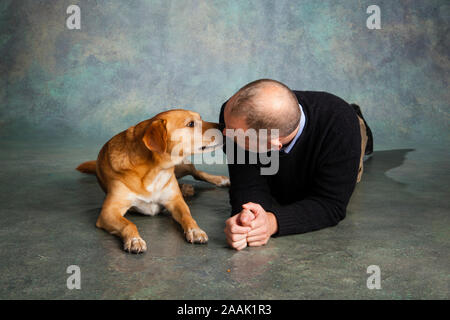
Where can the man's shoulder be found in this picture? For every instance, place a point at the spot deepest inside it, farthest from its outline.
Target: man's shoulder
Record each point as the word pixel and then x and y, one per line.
pixel 324 103
pixel 319 98
pixel 326 110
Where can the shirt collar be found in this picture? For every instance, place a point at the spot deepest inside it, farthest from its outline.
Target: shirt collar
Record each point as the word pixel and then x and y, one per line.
pixel 288 148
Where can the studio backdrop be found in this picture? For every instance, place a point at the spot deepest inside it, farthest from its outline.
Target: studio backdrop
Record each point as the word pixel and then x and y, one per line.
pixel 125 61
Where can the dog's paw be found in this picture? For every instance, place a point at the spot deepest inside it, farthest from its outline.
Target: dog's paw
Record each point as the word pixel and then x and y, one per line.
pixel 135 245
pixel 196 235
pixel 222 181
pixel 187 190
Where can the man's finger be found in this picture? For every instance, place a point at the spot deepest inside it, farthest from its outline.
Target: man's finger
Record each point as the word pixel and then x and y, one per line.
pixel 258 223
pixel 254 207
pixel 236 236
pixel 239 244
pixel 244 245
pixel 258 237
pixel 257 231
pixel 246 217
pixel 231 221
pixel 256 243
pixel 238 229
pixel 234 243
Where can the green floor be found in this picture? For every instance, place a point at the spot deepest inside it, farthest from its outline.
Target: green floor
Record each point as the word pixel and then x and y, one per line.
pixel 398 219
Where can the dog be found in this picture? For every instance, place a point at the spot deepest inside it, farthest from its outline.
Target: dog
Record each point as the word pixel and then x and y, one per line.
pixel 138 170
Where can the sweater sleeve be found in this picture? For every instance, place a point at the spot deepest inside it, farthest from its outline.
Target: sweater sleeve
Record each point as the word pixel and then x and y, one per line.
pixel 248 185
pixel 332 187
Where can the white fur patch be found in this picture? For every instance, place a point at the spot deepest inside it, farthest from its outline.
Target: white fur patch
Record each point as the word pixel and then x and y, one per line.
pixel 224 182
pixel 148 208
pixel 160 192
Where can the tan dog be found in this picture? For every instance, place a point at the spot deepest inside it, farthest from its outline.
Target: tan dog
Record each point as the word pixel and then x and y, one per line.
pixel 139 167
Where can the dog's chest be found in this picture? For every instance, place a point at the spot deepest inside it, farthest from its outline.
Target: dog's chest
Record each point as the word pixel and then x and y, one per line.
pixel 159 182
pixel 160 190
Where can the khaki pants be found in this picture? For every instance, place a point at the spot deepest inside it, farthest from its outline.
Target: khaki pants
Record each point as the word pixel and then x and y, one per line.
pixel 362 127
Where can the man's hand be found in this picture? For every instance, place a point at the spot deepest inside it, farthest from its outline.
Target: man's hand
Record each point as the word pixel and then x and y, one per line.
pixel 237 227
pixel 263 226
pixel 253 226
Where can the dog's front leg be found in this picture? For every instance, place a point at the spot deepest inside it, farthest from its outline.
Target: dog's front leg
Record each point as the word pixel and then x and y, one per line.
pixel 112 220
pixel 181 213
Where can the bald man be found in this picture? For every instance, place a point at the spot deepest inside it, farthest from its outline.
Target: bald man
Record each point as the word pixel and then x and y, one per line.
pixel 321 144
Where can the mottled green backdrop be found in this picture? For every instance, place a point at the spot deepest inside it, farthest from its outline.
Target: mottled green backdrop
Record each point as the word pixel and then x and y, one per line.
pixel 132 59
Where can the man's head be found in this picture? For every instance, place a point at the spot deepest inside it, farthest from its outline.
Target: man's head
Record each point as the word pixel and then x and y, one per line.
pixel 264 104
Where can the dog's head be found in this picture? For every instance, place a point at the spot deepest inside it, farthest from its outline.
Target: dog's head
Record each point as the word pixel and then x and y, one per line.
pixel 180 133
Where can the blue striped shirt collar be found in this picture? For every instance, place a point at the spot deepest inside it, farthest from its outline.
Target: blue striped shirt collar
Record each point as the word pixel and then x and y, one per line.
pixel 288 148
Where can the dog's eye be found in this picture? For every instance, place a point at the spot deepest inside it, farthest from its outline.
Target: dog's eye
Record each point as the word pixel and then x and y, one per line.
pixel 191 124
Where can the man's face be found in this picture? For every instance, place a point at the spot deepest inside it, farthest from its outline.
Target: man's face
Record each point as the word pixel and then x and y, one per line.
pixel 236 128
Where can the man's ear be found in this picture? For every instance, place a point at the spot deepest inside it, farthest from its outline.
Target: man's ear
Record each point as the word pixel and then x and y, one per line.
pixel 275 144
pixel 155 137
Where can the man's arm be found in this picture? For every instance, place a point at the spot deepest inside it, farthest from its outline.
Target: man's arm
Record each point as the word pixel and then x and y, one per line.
pixel 332 188
pixel 247 183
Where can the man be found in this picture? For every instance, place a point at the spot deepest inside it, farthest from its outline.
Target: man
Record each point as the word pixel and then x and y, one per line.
pixel 322 141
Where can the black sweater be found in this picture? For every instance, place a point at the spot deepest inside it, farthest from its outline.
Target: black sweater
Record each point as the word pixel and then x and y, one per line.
pixel 316 178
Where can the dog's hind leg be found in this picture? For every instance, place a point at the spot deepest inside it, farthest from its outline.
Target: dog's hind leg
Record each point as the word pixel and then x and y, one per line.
pixel 188 168
pixel 112 220
pixel 187 190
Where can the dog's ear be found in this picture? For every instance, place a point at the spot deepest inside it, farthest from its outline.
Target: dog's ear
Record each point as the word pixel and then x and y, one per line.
pixel 155 137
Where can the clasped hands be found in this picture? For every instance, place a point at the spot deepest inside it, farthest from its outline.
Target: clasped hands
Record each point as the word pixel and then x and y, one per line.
pixel 253 227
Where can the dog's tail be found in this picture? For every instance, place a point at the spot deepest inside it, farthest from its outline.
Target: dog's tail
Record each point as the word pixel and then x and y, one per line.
pixel 88 167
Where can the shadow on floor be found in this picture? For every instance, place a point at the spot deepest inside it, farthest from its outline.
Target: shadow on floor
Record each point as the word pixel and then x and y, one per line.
pixel 383 161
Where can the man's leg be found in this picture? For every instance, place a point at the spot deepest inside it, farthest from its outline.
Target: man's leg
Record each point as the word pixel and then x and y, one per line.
pixel 364 139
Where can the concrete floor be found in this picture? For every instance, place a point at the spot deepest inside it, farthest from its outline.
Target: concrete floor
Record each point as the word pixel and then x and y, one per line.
pixel 398 219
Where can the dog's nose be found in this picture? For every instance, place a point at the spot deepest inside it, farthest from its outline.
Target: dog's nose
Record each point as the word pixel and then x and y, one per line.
pixel 221 127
